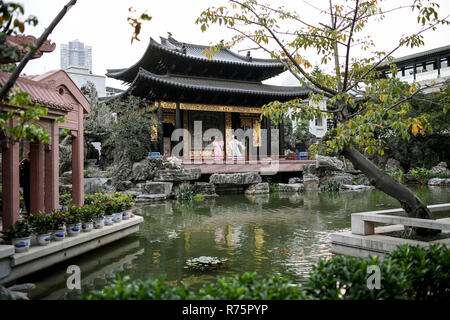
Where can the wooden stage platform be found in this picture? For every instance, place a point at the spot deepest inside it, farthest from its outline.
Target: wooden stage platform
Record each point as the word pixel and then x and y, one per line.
pixel 264 167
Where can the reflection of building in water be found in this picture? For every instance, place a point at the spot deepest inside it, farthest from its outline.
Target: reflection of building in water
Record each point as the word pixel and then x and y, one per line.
pixel 259 242
pixel 96 270
pixel 224 93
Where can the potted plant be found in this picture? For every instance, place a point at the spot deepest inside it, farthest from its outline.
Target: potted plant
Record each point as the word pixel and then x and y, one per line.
pixel 20 235
pixel 42 225
pixel 128 204
pixel 87 218
pixel 109 212
pixel 73 220
pixel 64 200
pixel 58 218
pixel 118 209
pixel 98 208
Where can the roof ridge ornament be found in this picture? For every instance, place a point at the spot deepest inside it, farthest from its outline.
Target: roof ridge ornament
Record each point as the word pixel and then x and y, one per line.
pixel 249 57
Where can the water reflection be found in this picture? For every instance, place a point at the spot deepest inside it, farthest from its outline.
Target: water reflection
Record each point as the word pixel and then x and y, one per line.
pixel 278 233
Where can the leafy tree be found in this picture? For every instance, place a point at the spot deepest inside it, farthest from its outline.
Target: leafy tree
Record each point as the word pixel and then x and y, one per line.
pixel 364 104
pixel 130 134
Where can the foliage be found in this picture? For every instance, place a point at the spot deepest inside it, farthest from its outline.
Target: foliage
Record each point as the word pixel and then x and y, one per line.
pixel 273 186
pixel 333 186
pixel 173 163
pixel 11 25
pixel 131 134
pixel 74 214
pixel 136 22
pixel 126 289
pixel 124 201
pixel 426 270
pixel 421 174
pixel 20 229
pixel 65 199
pixel 57 218
pixel 199 198
pixel 424 151
pixel 41 223
pixel 185 192
pixel 397 174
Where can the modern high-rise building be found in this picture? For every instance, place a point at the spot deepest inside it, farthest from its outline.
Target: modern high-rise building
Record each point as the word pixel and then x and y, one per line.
pixel 76 54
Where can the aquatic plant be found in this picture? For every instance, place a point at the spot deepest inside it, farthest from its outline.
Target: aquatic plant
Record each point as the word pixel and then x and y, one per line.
pixel 204 263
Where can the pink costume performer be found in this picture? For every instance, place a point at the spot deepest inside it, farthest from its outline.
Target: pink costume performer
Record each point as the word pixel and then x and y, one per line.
pixel 217 145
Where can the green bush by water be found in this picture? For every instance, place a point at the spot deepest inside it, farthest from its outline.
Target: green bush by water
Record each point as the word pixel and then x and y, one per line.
pixel 333 186
pixel 185 192
pixel 411 273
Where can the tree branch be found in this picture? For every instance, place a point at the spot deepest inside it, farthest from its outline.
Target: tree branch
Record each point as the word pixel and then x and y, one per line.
pixel 13 77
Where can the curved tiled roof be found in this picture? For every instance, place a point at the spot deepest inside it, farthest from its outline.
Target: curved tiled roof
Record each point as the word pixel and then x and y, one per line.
pixel 40 93
pixel 172 51
pixel 204 90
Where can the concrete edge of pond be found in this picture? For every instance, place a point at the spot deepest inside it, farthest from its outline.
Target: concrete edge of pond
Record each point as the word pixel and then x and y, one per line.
pixel 17 265
pixel 377 243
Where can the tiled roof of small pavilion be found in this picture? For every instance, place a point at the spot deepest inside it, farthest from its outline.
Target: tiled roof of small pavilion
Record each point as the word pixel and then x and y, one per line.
pixel 40 92
pixel 189 59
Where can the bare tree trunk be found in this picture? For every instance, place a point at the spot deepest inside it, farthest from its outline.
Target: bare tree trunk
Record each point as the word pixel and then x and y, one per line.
pixel 412 205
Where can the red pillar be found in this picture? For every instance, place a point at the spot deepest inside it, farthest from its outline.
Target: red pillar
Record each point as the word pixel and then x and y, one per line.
pixel 52 170
pixel 77 168
pixel 36 177
pixel 10 175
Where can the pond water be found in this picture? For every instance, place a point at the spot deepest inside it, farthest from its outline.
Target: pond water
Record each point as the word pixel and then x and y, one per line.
pixel 278 233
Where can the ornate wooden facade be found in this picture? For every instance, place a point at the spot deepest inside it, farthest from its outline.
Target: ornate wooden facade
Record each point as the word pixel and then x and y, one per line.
pixel 225 91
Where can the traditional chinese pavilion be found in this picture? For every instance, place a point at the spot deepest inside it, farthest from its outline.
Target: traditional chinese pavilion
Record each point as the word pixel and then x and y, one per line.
pixel 224 92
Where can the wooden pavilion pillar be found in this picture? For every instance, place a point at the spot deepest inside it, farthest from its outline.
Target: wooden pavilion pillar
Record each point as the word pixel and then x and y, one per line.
pixel 160 129
pixel 179 122
pixel 52 170
pixel 281 136
pixel 77 168
pixel 10 177
pixel 36 177
pixel 269 136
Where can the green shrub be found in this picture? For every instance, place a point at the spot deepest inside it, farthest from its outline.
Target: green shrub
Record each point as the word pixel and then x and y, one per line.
pixel 185 192
pixel 333 186
pixel 250 286
pixel 126 289
pixel 41 223
pixel 428 271
pixel 20 229
pixel 65 199
pixel 421 174
pixel 199 198
pixel 397 174
pixel 345 278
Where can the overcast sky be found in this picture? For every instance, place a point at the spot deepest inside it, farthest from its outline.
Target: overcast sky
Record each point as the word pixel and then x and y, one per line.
pixel 103 25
